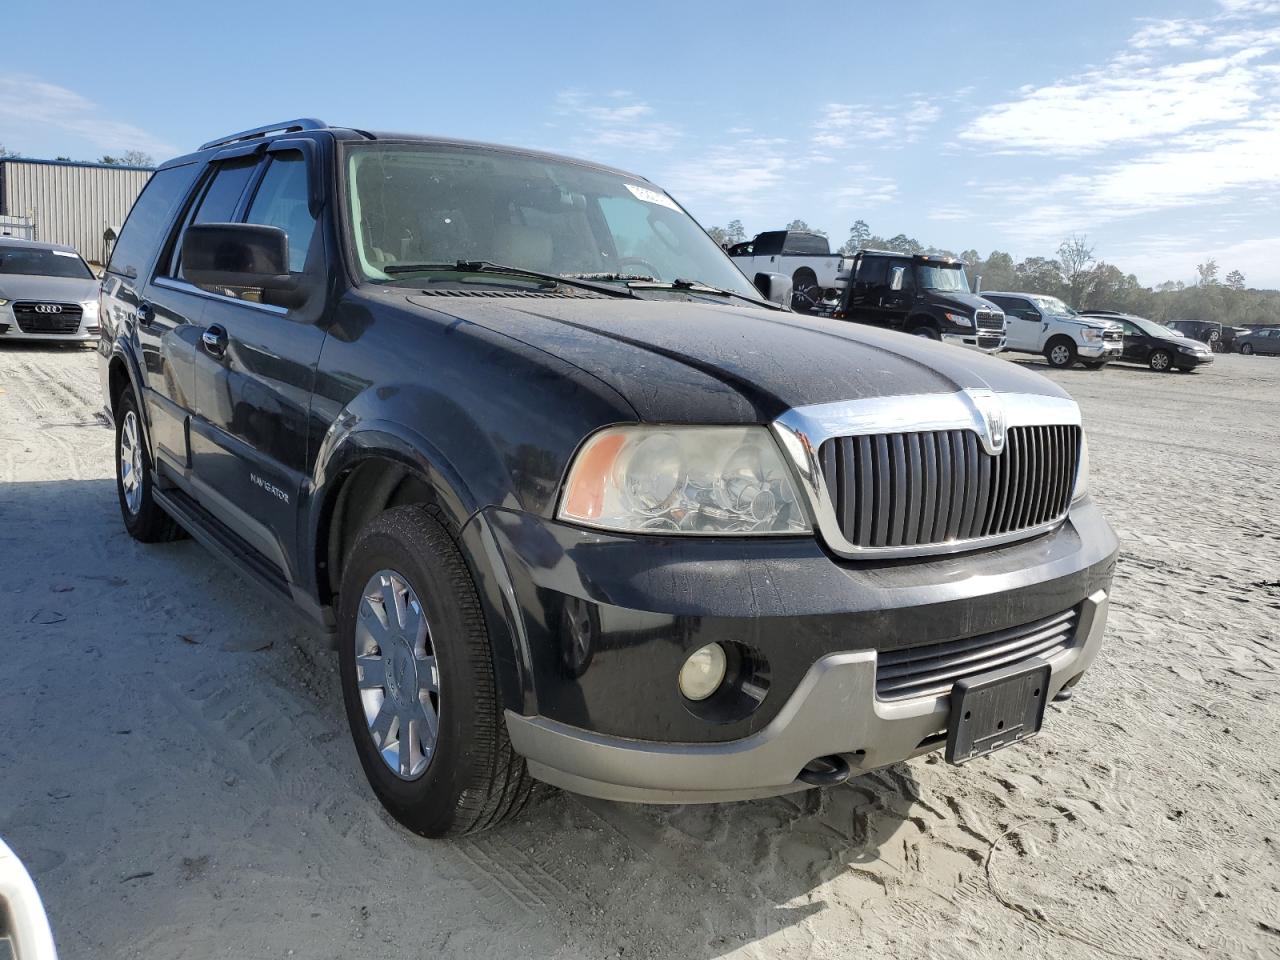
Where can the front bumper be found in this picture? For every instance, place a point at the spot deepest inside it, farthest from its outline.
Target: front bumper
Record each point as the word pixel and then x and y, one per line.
pixel 833 712
pixel 88 330
pixel 1190 361
pixel 986 342
pixel 1099 351
pixel 605 621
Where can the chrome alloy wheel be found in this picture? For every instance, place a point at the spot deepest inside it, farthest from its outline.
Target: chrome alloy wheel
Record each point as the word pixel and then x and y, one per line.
pixel 131 463
pixel 1160 361
pixel 1060 355
pixel 396 674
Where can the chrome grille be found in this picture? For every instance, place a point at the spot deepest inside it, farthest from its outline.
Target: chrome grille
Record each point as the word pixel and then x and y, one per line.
pixel 987 320
pixel 1113 333
pixel 31 320
pixel 932 669
pixel 937 487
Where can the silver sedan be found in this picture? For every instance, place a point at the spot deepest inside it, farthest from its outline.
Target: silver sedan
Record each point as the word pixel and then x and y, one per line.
pixel 47 292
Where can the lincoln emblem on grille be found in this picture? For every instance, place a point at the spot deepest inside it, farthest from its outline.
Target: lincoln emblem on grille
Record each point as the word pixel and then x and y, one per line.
pixel 991 419
pixel 48 308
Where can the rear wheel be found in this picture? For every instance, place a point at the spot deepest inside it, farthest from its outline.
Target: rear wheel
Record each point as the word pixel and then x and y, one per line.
pixel 143 517
pixel 1160 361
pixel 1060 352
pixel 805 292
pixel 418 681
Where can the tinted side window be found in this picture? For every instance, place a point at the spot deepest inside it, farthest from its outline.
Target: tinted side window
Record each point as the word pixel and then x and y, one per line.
pixel 215 204
pixel 871 273
pixel 805 244
pixel 143 231
pixel 282 201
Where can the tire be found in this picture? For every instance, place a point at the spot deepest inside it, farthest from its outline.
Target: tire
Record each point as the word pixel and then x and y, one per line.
pixel 1161 361
pixel 926 331
pixel 805 292
pixel 145 519
pixel 1246 349
pixel 1093 364
pixel 471 779
pixel 1060 352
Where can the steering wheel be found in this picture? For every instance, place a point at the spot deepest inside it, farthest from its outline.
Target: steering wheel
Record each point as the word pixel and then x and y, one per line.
pixel 650 269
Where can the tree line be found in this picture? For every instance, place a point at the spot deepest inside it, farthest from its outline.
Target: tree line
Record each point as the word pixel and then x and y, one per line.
pixel 130 158
pixel 1077 276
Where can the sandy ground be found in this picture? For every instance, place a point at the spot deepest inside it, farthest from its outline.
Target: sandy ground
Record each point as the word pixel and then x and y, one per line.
pixel 176 771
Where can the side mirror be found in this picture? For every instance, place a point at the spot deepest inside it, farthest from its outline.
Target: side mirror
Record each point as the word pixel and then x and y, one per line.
pixel 895 283
pixel 237 255
pixel 774 287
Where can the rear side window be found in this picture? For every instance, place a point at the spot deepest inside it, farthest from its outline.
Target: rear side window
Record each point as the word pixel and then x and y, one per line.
pixel 805 244
pixel 282 200
pixel 144 230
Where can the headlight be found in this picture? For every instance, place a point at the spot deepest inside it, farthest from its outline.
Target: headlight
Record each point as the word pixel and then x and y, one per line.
pixel 960 319
pixel 1082 471
pixel 708 481
pixel 1092 334
pixel 3 302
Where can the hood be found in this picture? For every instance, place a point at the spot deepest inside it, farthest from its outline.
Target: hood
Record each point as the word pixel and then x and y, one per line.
pixel 968 302
pixel 684 361
pixel 1098 323
pixel 19 286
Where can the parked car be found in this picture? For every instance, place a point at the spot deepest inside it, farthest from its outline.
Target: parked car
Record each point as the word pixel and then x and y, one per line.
pixel 47 292
pixel 24 926
pixel 1159 347
pixel 1036 323
pixel 803 256
pixel 1265 340
pixel 650 540
pixel 923 295
pixel 1219 337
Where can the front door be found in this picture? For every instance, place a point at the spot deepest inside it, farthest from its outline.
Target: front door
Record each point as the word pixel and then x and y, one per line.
pixel 254 376
pixel 1137 345
pixel 866 288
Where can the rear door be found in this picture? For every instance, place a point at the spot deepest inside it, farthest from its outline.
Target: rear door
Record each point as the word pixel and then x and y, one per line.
pixel 1024 328
pixel 161 328
pixel 255 370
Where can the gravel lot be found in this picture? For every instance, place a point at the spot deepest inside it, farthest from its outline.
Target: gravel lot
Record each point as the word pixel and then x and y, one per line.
pixel 176 771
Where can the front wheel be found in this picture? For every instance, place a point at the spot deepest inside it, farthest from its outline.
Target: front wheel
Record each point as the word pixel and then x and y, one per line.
pixel 1093 364
pixel 927 332
pixel 145 519
pixel 1246 349
pixel 418 681
pixel 1061 353
pixel 1160 361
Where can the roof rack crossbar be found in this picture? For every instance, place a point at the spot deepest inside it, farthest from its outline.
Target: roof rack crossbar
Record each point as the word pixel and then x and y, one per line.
pixel 286 126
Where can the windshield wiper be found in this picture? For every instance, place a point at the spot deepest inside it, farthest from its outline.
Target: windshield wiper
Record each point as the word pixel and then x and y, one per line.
pixel 697 286
pixel 488 266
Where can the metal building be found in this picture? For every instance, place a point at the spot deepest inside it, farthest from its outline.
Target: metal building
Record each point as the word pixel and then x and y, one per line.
pixel 68 202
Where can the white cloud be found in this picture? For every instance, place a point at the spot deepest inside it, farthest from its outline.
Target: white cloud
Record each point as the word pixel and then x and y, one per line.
pixel 33 110
pixel 615 120
pixel 1156 258
pixel 843 125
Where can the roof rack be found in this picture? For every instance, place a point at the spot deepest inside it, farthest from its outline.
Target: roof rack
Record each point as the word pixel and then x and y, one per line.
pixel 285 126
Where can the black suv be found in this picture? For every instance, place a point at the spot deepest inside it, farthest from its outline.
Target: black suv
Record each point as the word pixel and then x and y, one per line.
pixel 576 502
pixel 924 295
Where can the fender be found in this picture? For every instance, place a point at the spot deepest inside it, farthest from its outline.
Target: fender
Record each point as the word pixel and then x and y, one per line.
pixel 350 441
pixel 122 352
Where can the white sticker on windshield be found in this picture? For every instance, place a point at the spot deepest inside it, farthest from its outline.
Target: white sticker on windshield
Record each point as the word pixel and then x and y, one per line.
pixel 649 195
pixel 65 253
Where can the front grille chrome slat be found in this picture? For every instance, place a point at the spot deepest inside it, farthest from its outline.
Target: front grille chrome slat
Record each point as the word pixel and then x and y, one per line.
pixel 932 669
pixel 925 488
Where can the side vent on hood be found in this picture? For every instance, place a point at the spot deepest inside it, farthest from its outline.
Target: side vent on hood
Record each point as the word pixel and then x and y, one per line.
pixel 518 294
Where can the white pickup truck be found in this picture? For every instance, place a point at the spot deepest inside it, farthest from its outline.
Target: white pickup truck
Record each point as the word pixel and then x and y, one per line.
pixel 816 273
pixel 1035 323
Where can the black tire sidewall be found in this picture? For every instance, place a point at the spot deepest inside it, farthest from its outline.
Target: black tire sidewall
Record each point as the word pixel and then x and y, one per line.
pixel 1053 345
pixel 925 332
pixel 428 804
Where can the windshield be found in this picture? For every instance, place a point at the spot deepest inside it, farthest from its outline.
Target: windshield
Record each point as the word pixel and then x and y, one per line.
pixel 947 279
pixel 39 262
pixel 1053 306
pixel 438 204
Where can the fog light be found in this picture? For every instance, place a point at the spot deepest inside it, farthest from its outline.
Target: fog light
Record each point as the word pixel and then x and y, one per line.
pixel 703 672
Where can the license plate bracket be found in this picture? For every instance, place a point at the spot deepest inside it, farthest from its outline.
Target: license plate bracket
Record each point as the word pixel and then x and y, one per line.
pixel 996 709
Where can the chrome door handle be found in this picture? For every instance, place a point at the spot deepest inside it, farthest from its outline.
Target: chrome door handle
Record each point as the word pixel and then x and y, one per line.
pixel 215 340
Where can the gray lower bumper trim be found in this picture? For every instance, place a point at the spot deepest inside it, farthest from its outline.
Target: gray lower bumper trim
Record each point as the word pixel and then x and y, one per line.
pixel 834 710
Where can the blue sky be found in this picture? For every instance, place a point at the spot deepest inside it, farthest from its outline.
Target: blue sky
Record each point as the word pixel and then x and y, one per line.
pixel 1154 128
